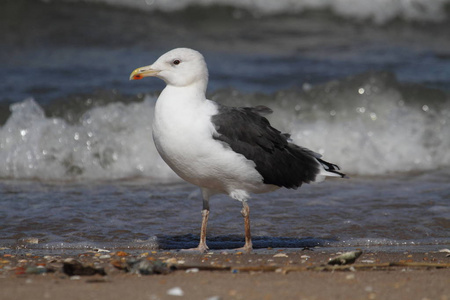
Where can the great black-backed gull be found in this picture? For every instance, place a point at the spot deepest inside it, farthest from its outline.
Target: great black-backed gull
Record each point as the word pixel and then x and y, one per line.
pixel 223 150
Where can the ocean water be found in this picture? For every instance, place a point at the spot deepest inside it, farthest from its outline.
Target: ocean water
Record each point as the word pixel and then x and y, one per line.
pixel 364 83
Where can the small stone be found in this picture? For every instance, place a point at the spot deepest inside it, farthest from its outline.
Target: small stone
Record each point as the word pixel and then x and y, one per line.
pixel 101 250
pixel 175 291
pixel 36 270
pixel 367 261
pixel 49 258
pixel 30 240
pixel 171 261
pixel 345 258
pixel 280 255
pixel 144 266
pixel 74 267
pixel 192 270
pixel 350 277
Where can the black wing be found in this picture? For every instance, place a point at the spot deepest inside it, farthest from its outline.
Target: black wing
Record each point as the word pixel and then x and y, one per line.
pixel 279 162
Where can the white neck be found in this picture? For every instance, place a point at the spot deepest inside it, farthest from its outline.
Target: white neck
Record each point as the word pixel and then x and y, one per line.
pixel 191 95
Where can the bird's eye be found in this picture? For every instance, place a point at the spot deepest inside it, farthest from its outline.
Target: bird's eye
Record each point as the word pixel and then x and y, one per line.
pixel 176 62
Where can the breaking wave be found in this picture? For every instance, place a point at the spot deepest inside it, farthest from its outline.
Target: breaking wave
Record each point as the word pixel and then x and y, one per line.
pixel 378 11
pixel 368 124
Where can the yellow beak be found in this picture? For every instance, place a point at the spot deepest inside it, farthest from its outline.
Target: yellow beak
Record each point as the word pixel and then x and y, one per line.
pixel 142 72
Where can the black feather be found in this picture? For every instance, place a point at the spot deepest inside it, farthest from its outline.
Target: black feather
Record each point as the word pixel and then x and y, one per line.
pixel 280 162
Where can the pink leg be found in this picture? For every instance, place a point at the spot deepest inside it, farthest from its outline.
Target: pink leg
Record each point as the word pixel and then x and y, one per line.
pixel 248 237
pixel 202 247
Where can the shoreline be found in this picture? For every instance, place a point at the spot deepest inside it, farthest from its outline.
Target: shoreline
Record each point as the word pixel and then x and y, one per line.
pixel 272 274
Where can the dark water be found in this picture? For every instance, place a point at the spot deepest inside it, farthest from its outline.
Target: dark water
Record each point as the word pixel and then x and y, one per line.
pixel 367 88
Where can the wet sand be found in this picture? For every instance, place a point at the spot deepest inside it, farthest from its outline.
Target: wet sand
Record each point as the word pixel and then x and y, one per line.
pixel 271 274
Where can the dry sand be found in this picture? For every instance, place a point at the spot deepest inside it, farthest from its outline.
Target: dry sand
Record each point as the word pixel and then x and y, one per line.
pixel 272 274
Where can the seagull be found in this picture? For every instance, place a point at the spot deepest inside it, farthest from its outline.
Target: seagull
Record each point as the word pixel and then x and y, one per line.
pixel 223 150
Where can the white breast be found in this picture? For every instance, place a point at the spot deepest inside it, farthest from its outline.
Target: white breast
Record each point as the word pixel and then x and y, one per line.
pixel 182 131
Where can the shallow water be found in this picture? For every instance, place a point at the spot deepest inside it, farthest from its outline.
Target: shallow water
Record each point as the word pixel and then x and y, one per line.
pixel 367 88
pixel 399 211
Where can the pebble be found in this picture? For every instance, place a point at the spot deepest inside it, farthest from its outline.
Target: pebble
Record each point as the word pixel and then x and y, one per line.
pixel 175 291
pixel 36 270
pixel 101 250
pixel 367 261
pixel 144 266
pixel 75 267
pixel 122 253
pixel 49 258
pixel 30 240
pixel 171 261
pixel 192 270
pixel 345 258
pixel 280 255
pixel 445 251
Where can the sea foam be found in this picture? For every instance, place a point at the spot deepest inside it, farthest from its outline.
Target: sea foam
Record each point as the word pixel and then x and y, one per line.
pixel 378 11
pixel 368 124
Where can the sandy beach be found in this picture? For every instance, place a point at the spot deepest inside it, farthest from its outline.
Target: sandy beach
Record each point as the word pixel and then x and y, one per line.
pixel 268 274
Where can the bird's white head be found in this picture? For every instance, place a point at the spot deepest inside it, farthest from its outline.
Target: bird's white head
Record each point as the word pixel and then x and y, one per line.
pixel 179 67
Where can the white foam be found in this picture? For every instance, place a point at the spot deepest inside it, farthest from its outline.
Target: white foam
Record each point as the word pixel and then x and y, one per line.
pixel 111 142
pixel 379 11
pixel 378 137
pixel 371 132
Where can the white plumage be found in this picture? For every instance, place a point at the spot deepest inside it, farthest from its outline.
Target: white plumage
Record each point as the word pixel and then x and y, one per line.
pixel 222 150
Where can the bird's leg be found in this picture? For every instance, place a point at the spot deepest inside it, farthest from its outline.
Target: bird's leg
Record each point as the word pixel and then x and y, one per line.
pixel 248 237
pixel 202 247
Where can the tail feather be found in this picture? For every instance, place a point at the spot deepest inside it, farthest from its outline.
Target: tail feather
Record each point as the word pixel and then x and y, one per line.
pixel 330 169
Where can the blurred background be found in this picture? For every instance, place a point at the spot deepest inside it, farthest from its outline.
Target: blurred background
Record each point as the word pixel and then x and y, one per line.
pixel 367 75
pixel 366 83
